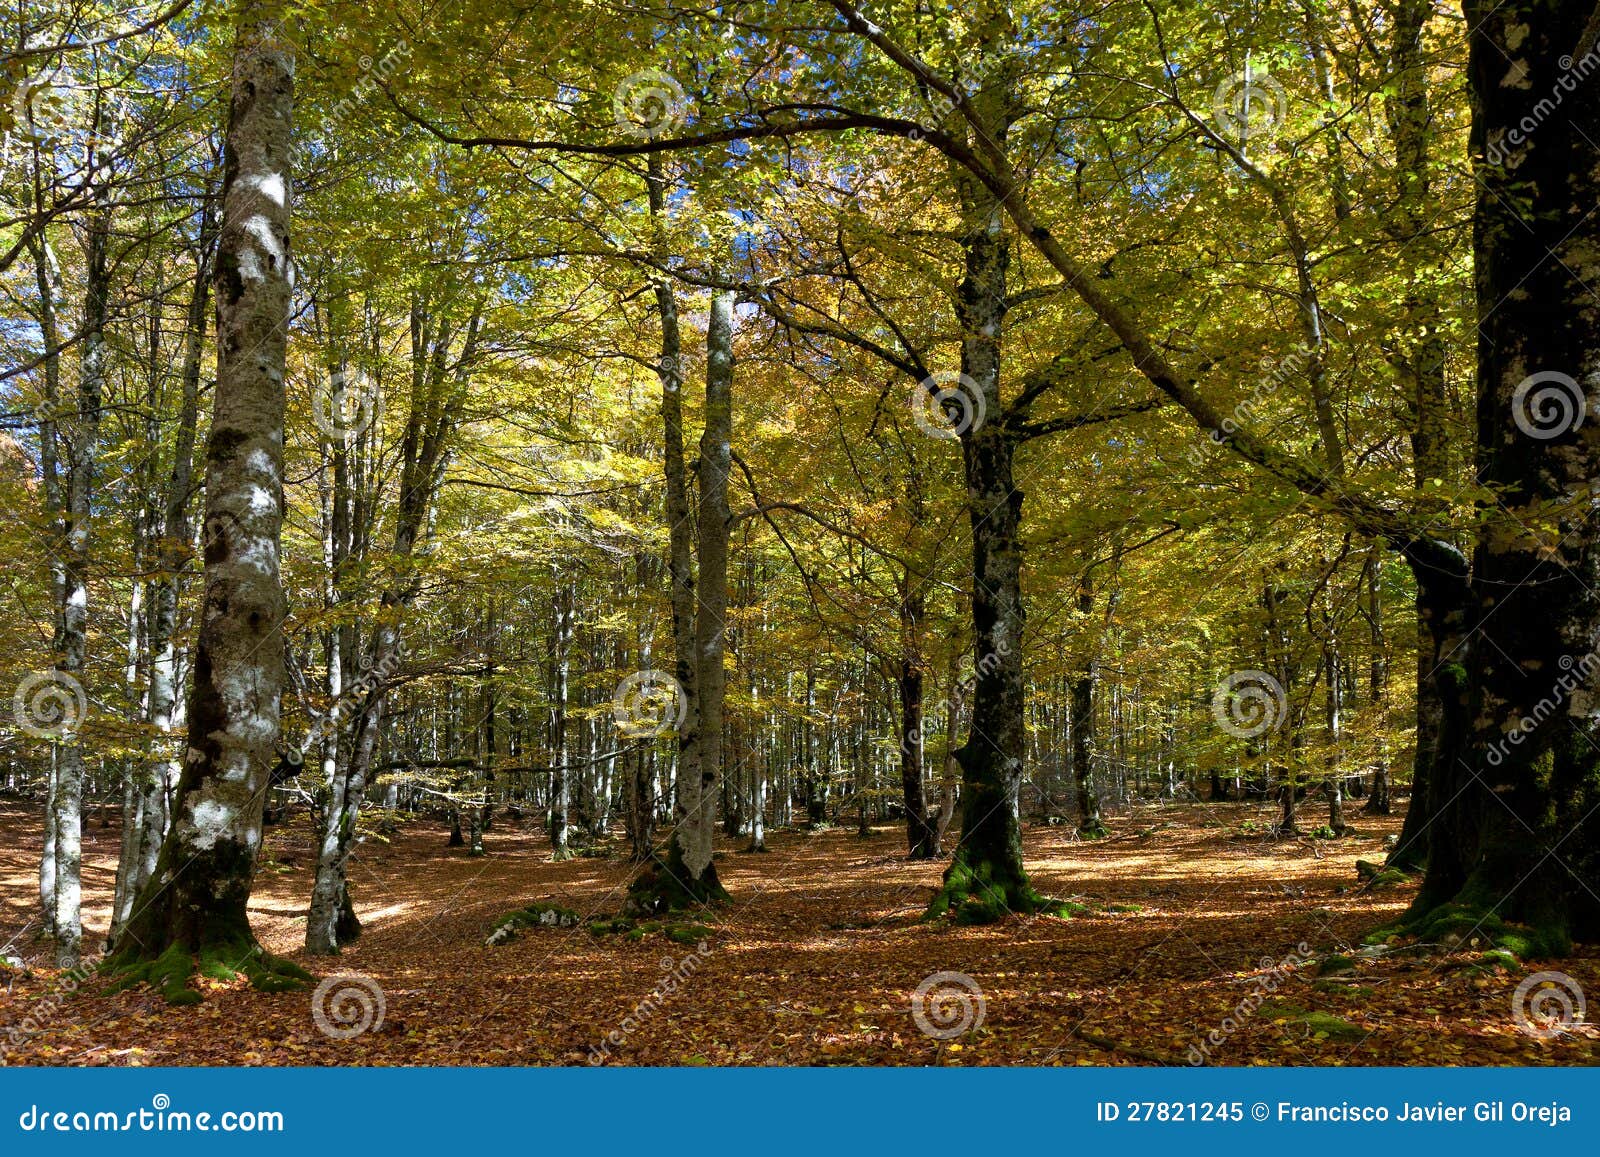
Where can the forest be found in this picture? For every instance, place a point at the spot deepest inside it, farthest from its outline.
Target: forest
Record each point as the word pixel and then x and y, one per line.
pixel 799 532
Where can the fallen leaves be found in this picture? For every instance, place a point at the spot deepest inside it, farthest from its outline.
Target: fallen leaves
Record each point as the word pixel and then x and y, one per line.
pixel 816 959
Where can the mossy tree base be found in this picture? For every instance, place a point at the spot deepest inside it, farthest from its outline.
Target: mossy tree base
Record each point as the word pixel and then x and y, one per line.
pixel 983 891
pixel 1477 927
pixel 667 885
pixel 171 971
pixel 1093 829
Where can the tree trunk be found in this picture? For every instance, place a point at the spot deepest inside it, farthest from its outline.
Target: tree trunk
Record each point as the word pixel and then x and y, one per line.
pixel 1516 782
pixel 195 902
pixel 986 879
pixel 560 660
pixel 80 433
pixel 921 838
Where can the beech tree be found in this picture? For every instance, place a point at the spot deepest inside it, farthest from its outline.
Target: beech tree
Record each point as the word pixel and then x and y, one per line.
pixel 194 902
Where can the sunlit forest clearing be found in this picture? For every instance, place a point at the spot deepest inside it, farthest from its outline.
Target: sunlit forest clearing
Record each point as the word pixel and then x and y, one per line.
pixel 796 532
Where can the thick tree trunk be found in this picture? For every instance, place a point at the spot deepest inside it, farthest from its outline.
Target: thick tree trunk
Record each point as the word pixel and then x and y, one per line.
pixel 688 875
pixel 986 879
pixel 195 901
pixel 711 587
pixel 1516 826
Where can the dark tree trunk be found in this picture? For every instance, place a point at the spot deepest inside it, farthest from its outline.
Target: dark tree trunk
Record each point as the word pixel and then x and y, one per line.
pixel 1516 782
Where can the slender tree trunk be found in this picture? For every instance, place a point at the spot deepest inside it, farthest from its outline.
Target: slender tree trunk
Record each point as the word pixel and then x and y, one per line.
pixel 560 658
pixel 80 433
pixel 164 710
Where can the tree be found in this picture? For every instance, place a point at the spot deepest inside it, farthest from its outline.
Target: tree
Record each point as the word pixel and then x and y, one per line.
pixel 194 903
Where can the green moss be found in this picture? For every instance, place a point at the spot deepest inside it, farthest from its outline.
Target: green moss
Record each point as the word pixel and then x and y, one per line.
pixel 690 934
pixel 533 916
pixel 170 972
pixel 1389 878
pixel 1326 1025
pixel 1333 965
pixel 1336 988
pixel 667 885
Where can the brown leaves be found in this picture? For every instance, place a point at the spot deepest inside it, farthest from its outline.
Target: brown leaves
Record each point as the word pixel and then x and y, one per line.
pixel 816 960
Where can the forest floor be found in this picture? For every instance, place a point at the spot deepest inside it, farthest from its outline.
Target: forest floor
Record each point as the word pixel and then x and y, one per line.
pixel 1194 909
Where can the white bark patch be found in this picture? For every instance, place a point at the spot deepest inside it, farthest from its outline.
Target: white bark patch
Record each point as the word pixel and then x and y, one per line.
pixel 210 820
pixel 260 230
pixel 270 186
